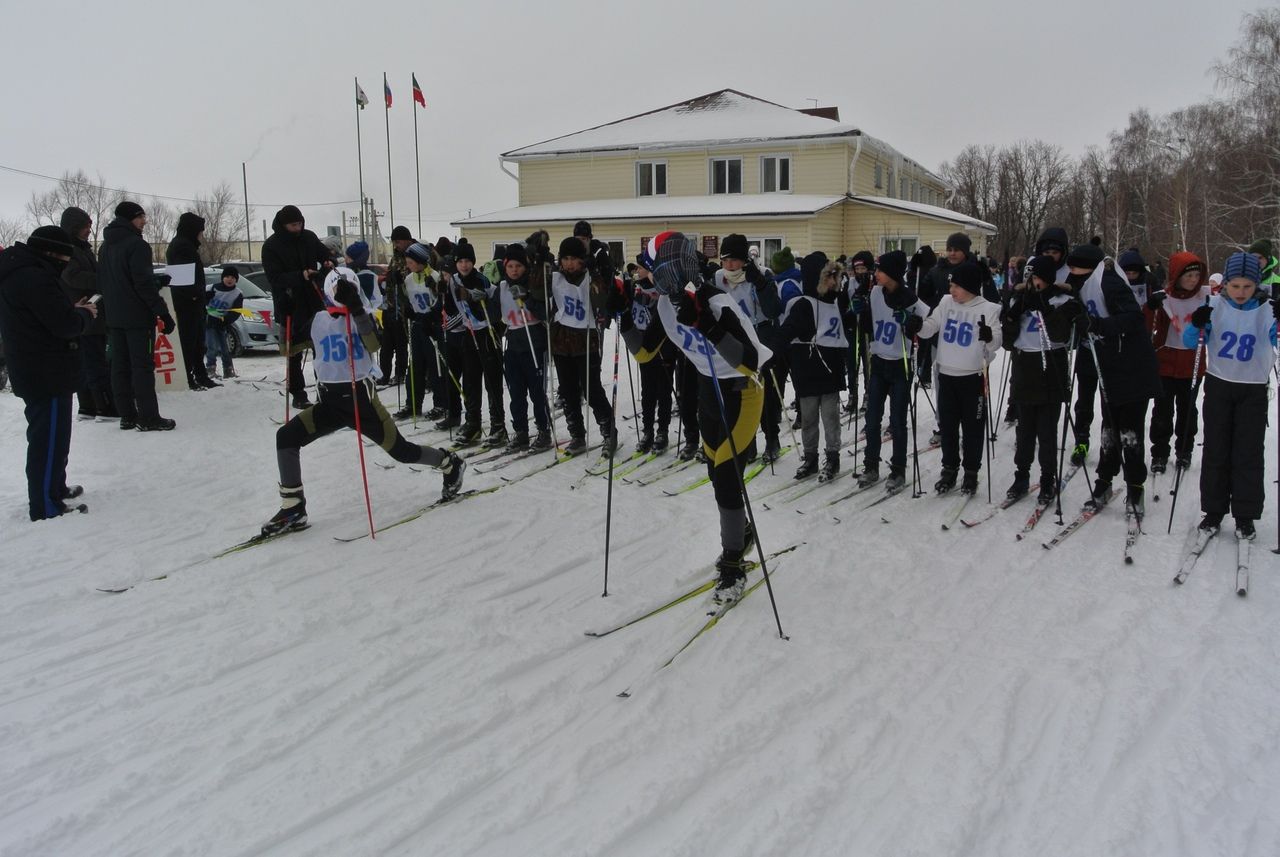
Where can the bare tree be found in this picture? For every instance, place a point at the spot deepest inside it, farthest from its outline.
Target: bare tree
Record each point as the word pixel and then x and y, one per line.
pixel 11 231
pixel 75 189
pixel 224 221
pixel 162 219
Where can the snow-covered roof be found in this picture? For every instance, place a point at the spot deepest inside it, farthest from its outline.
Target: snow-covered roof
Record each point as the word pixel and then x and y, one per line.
pixel 713 119
pixel 923 210
pixel 661 208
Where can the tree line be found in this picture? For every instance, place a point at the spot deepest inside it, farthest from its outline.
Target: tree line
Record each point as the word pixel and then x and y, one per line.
pixel 1204 178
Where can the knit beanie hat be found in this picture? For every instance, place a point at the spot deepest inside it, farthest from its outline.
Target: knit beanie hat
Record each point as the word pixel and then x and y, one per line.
pixel 52 239
pixel 359 254
pixel 783 260
pixel 1242 265
pixel 1131 260
pixel 515 252
pixel 735 247
pixel 1052 238
pixel 1043 267
pixel 74 219
pixel 128 210
pixel 419 253
pixel 863 257
pixel 893 265
pixel 231 271
pixel 1086 255
pixel 464 250
pixel 401 233
pixel 1262 247
pixel 332 243
pixel 582 229
pixel 811 269
pixel 959 241
pixel 572 247
pixel 968 276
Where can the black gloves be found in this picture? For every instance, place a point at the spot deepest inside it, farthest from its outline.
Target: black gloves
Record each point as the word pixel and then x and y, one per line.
pixel 1083 321
pixel 615 302
pixel 347 293
pixel 912 325
pixel 1275 307
pixel 984 331
pixel 1200 318
pixel 167 323
pixel 694 310
pixel 1156 300
pixel 161 280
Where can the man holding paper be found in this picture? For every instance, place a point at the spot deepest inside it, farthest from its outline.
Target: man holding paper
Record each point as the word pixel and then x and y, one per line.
pixel 189 298
pixel 131 293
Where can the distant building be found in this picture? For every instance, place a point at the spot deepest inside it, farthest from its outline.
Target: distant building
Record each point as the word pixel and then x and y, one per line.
pixel 722 163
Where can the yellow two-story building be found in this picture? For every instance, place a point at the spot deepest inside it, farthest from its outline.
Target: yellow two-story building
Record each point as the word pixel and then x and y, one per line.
pixel 722 163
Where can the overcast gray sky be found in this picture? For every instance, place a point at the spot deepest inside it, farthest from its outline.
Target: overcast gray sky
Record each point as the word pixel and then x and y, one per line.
pixel 168 99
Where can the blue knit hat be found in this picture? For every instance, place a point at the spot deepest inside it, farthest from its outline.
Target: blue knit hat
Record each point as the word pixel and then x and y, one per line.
pixel 419 253
pixel 359 254
pixel 1242 265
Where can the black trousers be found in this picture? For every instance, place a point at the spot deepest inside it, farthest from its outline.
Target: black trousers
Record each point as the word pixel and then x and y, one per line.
pixel 394 352
pixel 743 403
pixel 337 410
pixel 1165 423
pixel 481 368
pixel 655 394
pixel 1122 447
pixel 1037 437
pixel 133 372
pixel 686 386
pixel 888 378
pixel 570 368
pixel 426 372
pixel 189 312
pixel 1086 392
pixel 774 376
pixel 961 409
pixel 48 446
pixel 1232 466
pixel 95 375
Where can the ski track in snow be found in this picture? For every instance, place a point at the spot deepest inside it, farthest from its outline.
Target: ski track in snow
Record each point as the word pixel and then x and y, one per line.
pixel 432 692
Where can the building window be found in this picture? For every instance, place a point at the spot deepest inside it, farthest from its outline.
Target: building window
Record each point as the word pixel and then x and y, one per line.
pixel 879 177
pixel 499 250
pixel 768 246
pixel 906 245
pixel 902 188
pixel 915 191
pixel 726 175
pixel 889 186
pixel 617 252
pixel 775 173
pixel 651 178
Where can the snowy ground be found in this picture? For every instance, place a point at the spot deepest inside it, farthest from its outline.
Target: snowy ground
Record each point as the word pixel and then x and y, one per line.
pixel 432 692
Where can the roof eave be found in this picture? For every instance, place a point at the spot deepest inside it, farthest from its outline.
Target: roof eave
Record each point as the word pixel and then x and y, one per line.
pixel 694 146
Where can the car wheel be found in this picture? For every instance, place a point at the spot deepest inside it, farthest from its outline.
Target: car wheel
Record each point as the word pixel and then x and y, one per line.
pixel 234 346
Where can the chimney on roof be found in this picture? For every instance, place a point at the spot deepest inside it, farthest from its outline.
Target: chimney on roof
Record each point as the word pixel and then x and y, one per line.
pixel 832 113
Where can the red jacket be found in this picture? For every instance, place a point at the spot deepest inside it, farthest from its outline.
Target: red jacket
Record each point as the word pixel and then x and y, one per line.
pixel 1175 360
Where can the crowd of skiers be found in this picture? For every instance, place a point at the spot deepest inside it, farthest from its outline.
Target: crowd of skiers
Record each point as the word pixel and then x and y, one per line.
pixel 717 341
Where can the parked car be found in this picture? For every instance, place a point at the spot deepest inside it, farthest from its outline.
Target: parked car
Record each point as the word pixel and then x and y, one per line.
pixel 254 329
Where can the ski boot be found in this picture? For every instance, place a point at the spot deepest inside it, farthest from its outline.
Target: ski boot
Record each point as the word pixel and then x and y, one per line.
pixel 1159 464
pixel 449 422
pixel 869 476
pixel 935 439
pixel 609 440
pixel 577 444
pixel 1244 530
pixel 1210 523
pixel 896 482
pixel 519 442
pixel 733 578
pixel 660 442
pixel 300 401
pixel 830 466
pixel 772 450
pixel 435 414
pixel 467 435
pixel 1134 501
pixel 969 485
pixel 292 514
pixel 946 481
pixel 404 413
pixel 1078 454
pixel 1098 498
pixel 541 441
pixel 1021 485
pixel 496 437
pixel 158 424
pixel 646 441
pixel 808 466
pixel 1048 490
pixel 452 469
pixel 688 451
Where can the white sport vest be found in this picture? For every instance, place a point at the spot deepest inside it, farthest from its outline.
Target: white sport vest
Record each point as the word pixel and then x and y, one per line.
pixel 1029 337
pixel 1239 344
pixel 513 315
pixel 886 333
pixel 1179 312
pixel 417 289
pixel 220 301
pixel 1091 292
pixel 333 350
pixel 830 329
pixel 573 303
pixel 696 346
pixel 744 295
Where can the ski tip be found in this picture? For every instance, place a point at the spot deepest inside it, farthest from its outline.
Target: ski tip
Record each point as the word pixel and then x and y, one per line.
pixel 116 591
pixel 626 694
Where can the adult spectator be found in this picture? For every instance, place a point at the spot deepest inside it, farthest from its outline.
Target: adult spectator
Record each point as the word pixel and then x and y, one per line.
pixel 79 281
pixel 291 258
pixel 131 295
pixel 189 301
pixel 395 311
pixel 42 330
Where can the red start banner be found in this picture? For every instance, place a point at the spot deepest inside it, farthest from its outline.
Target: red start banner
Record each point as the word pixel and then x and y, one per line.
pixel 171 371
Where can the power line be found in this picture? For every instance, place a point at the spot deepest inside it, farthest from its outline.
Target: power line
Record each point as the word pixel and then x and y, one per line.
pixel 172 198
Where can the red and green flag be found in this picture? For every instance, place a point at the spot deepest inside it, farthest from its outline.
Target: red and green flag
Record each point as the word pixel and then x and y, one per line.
pixel 417 92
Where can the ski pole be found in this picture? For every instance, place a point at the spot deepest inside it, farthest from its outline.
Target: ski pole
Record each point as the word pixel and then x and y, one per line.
pixel 355 407
pixel 1197 378
pixel 777 391
pixel 1110 416
pixel 1277 368
pixel 288 361
pixel 1004 386
pixel 608 506
pixel 986 406
pixel 413 369
pixel 742 484
pixel 631 382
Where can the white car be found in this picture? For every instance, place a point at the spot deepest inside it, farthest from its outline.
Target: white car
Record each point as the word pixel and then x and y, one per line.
pixel 254 329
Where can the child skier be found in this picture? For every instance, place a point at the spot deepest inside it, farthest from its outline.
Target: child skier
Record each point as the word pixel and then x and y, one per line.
pixel 967 327
pixel 466 299
pixel 575 345
pixel 1168 314
pixel 221 303
pixel 656 372
pixel 882 316
pixel 818 347
pixel 1236 324
pixel 421 291
pixel 522 299
pixel 1118 348
pixel 722 346
pixel 1036 326
pixel 345 337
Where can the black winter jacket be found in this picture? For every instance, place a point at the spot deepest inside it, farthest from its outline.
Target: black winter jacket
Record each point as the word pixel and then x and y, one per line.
pixel 815 369
pixel 285 255
pixel 184 249
pixel 40 327
pixel 80 280
pixel 1037 380
pixel 126 279
pixel 1130 371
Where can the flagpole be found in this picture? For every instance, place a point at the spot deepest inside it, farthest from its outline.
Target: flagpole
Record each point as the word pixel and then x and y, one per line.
pixel 391 206
pixel 359 167
pixel 417 167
